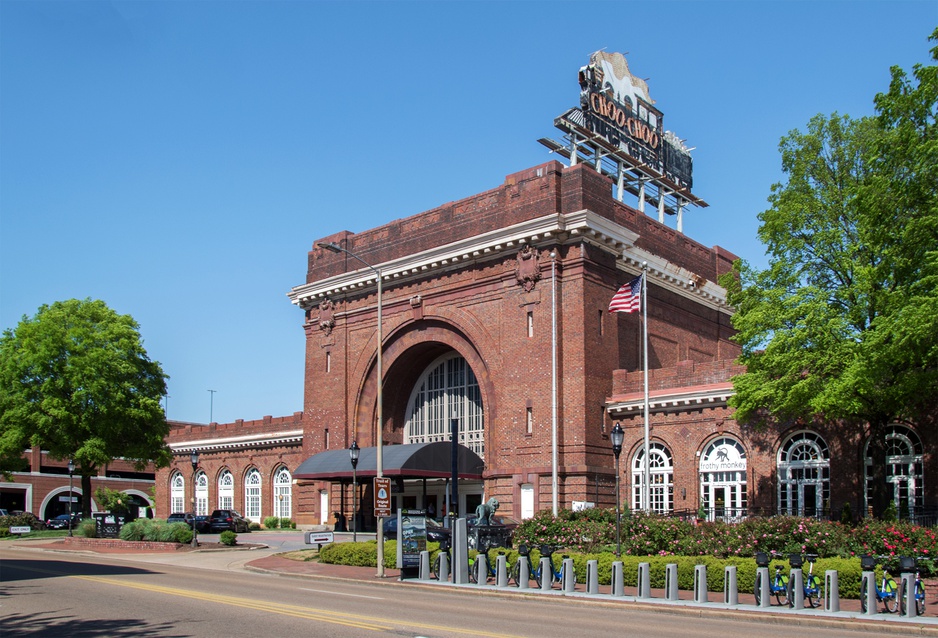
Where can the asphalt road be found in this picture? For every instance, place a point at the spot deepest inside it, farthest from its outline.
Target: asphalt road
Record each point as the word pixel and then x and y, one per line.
pixel 66 594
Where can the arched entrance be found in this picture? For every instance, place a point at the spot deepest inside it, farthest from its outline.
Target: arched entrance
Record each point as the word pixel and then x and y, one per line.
pixel 723 468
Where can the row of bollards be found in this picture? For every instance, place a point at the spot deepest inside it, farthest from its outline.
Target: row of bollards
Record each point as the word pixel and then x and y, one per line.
pixel 831 595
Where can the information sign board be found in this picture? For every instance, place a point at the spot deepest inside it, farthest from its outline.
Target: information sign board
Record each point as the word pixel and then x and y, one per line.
pixel 382 496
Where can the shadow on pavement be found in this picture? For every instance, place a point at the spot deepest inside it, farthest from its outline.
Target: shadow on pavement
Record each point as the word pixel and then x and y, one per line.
pixel 21 570
pixel 48 624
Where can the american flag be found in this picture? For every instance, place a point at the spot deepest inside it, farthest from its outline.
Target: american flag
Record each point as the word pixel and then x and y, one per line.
pixel 629 297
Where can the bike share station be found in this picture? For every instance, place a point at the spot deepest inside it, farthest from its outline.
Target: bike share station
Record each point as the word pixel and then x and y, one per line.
pixel 453 568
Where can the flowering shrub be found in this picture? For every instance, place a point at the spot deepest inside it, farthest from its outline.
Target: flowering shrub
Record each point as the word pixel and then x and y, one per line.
pixel 652 535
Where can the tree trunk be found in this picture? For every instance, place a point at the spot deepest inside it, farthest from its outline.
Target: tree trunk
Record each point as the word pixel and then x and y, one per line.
pixel 879 493
pixel 85 496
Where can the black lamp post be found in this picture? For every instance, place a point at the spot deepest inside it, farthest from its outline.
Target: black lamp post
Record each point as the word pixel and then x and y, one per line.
pixel 71 508
pixel 353 452
pixel 194 459
pixel 617 435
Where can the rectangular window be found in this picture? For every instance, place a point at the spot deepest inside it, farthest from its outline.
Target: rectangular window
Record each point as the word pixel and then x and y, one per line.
pixel 328 362
pixel 601 325
pixel 530 419
pixel 326 439
pixel 530 323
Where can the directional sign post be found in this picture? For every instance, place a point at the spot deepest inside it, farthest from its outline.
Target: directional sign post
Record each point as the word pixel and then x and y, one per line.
pixel 382 496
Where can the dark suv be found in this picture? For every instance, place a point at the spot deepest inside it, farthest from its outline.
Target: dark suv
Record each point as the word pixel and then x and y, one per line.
pixel 224 520
pixel 201 522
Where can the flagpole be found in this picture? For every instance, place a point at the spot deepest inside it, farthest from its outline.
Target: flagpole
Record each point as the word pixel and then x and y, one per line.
pixel 646 492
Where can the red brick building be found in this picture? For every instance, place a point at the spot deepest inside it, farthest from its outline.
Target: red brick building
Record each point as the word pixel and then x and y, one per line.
pixel 476 294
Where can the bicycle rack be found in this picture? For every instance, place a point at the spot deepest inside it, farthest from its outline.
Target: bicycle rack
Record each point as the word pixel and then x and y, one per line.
pixel 501 571
pixel 700 584
pixel 444 566
pixel 547 574
pixel 482 568
pixel 670 581
pixel 618 579
pixel 907 592
pixel 524 571
pixel 869 577
pixel 644 580
pixel 730 590
pixel 424 573
pixel 831 590
pixel 568 583
pixel 592 576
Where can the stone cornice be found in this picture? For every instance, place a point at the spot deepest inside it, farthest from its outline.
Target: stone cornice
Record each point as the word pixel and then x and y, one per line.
pixel 633 404
pixel 583 225
pixel 293 437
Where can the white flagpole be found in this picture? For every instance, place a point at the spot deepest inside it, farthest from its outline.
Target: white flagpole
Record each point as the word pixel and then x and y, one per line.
pixel 646 485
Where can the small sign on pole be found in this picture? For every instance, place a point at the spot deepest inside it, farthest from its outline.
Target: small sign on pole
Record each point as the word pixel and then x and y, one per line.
pixel 382 496
pixel 20 529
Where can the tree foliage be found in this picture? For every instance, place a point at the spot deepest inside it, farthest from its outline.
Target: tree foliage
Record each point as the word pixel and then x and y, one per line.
pixel 843 324
pixel 76 381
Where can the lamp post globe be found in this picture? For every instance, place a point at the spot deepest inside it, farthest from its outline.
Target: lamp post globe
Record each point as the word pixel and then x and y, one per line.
pixel 194 459
pixel 616 436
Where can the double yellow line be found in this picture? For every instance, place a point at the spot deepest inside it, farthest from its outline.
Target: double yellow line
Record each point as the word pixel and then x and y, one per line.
pixel 337 618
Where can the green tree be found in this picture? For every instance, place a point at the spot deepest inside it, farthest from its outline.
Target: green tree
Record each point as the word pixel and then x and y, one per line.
pixel 843 324
pixel 76 381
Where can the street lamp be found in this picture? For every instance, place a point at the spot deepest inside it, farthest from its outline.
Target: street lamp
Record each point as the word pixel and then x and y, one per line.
pixel 617 435
pixel 194 459
pixel 379 447
pixel 353 453
pixel 71 508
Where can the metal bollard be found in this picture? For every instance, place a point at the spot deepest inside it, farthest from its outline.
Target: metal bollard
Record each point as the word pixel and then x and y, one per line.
pixel 670 581
pixel 569 575
pixel 762 587
pixel 907 592
pixel 869 579
pixel 424 573
pixel 644 580
pixel 618 579
pixel 501 571
pixel 524 573
pixel 730 590
pixel 700 584
pixel 482 568
pixel 444 567
pixel 831 591
pixel 547 574
pixel 592 576
pixel 796 589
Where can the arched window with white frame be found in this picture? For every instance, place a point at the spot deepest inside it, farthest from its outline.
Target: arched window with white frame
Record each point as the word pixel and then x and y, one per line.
pixel 723 480
pixel 201 494
pixel 226 491
pixel 446 390
pixel 177 494
pixel 904 458
pixel 282 493
pixel 661 479
pixel 252 495
pixel 804 467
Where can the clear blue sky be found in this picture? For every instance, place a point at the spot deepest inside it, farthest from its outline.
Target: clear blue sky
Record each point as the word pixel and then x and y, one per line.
pixel 178 159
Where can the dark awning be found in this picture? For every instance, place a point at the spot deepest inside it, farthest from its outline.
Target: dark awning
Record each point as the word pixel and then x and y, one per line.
pixel 415 460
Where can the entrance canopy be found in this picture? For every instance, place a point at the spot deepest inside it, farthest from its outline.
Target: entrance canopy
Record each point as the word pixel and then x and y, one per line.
pixel 414 460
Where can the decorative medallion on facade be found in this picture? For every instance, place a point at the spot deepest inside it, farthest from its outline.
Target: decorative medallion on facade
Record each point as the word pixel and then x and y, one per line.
pixel 527 270
pixel 326 320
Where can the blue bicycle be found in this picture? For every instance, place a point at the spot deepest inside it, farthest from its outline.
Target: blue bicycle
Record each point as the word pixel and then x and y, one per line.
pixel 778 585
pixel 811 584
pixel 909 564
pixel 555 575
pixel 887 593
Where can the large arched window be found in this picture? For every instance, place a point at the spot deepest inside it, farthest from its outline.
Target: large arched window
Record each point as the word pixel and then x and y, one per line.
pixel 282 480
pixel 226 491
pixel 723 469
pixel 201 494
pixel 252 495
pixel 661 474
pixel 447 390
pixel 903 470
pixel 804 466
pixel 177 494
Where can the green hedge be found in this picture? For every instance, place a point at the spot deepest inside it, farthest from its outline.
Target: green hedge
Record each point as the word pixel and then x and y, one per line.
pixel 154 529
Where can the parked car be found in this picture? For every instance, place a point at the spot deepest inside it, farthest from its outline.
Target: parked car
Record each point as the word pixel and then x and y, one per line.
pixel 224 520
pixel 61 521
pixel 201 522
pixel 435 532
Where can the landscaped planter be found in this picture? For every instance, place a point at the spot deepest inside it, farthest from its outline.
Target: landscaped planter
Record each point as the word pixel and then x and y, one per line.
pixel 80 542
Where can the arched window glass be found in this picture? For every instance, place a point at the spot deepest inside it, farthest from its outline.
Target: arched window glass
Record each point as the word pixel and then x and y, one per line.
pixel 904 473
pixel 723 482
pixel 447 390
pixel 177 494
pixel 803 466
pixel 252 495
pixel 661 474
pixel 282 485
pixel 201 494
pixel 226 491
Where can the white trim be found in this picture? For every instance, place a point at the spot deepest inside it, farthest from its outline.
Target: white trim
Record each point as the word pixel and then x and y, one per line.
pixel 582 225
pixel 672 400
pixel 234 442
